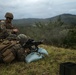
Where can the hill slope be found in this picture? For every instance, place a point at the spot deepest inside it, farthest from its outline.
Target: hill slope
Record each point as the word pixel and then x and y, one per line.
pixel 47 66
pixel 66 18
pixel 29 21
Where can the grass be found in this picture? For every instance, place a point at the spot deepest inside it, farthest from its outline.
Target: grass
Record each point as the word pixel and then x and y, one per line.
pixel 47 66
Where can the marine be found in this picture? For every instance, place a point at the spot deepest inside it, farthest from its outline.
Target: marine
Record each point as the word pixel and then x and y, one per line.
pixel 6 27
pixel 13 50
pixel 12 44
pixel 10 47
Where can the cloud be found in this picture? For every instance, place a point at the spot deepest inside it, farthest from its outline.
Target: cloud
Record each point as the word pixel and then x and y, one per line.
pixel 37 8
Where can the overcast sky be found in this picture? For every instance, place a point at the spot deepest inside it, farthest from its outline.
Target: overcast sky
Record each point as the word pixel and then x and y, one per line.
pixel 37 8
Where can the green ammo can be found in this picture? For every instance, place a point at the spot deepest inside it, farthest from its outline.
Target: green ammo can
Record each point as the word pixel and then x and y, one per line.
pixel 67 68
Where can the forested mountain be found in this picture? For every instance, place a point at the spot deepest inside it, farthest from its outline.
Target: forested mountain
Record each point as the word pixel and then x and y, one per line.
pixel 58 31
pixel 66 18
pixel 28 21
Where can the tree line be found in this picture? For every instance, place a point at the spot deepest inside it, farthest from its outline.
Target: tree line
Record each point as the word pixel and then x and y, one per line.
pixel 55 33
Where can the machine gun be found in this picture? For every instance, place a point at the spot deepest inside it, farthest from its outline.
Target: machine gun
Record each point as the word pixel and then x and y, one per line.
pixel 32 45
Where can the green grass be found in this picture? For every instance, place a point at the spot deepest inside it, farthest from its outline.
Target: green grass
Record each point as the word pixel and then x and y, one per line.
pixel 47 66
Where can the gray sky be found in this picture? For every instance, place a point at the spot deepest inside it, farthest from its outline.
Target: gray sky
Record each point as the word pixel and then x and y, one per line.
pixel 37 8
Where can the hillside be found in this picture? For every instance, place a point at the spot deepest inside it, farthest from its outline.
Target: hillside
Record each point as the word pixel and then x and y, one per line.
pixel 66 18
pixel 29 21
pixel 47 66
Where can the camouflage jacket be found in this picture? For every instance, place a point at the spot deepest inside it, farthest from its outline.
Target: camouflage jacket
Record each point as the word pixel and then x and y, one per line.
pixel 6 25
pixel 5 29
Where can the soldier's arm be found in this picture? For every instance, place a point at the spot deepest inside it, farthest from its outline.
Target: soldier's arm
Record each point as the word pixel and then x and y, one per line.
pixel 2 26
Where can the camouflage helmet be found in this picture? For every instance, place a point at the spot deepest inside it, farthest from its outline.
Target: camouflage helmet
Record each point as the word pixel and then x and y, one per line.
pixel 8 14
pixel 22 38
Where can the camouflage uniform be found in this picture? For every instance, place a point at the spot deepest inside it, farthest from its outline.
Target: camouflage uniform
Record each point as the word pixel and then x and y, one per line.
pixel 6 27
pixel 20 52
pixel 7 24
pixel 13 50
pixel 3 31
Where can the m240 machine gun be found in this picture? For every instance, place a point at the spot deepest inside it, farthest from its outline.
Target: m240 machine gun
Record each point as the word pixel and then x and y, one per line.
pixel 32 45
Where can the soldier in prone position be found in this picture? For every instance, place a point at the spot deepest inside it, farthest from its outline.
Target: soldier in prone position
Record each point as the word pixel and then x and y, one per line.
pixel 13 50
pixel 17 49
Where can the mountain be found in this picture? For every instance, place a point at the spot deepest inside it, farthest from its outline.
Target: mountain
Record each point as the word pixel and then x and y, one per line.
pixel 66 18
pixel 29 21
